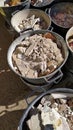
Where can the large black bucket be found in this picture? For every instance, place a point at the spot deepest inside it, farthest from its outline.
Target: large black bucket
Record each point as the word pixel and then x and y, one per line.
pixel 63 92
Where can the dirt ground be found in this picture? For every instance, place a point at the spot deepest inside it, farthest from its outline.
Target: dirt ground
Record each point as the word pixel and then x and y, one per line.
pixel 12 90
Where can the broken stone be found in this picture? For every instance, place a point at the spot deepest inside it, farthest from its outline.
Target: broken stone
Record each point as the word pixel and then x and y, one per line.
pixel 34 123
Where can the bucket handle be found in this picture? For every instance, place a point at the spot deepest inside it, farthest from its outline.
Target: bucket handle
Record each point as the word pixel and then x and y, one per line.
pixel 55 79
pixel 51 28
pixel 32 93
pixel 15 12
pixel 47 11
pixel 25 30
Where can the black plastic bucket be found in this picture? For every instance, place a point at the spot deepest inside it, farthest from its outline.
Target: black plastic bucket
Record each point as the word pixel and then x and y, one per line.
pixel 26 115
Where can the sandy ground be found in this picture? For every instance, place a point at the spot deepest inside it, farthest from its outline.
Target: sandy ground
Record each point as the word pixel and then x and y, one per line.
pixel 12 90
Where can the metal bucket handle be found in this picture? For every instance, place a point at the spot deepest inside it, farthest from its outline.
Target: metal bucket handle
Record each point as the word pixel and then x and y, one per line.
pixel 15 12
pixel 51 28
pixel 32 93
pixel 25 30
pixel 47 11
pixel 55 79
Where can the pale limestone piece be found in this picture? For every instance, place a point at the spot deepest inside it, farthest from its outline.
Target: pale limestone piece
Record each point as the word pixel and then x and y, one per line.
pixel 34 123
pixel 22 67
pixel 21 49
pixel 32 73
pixel 30 48
pixel 25 42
